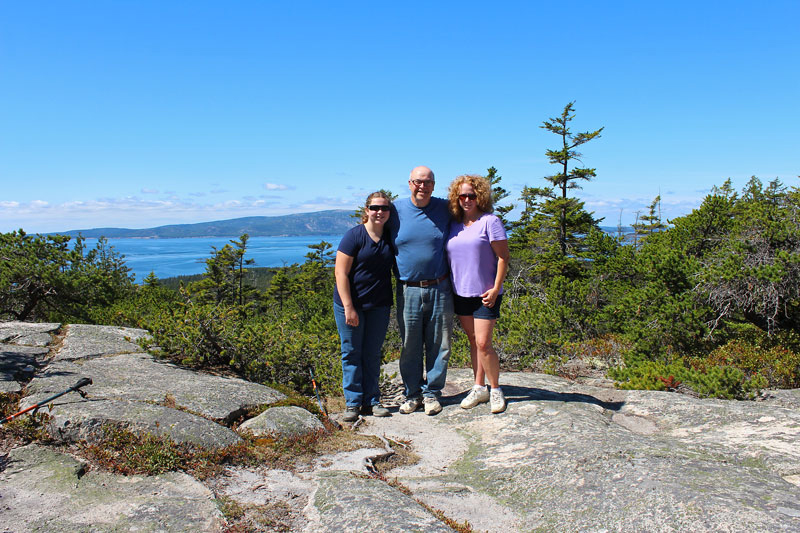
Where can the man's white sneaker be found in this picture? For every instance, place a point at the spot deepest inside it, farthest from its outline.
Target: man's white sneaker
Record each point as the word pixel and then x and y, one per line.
pixel 497 400
pixel 476 396
pixel 432 406
pixel 410 405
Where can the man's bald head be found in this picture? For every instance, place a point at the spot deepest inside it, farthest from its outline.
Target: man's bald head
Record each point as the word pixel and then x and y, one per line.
pixel 421 182
pixel 422 172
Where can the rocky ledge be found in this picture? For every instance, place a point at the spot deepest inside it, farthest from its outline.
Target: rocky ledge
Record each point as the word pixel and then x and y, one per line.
pixel 565 456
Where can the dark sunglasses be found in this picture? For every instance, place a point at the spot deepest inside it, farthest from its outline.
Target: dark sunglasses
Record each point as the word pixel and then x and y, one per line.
pixel 471 196
pixel 378 208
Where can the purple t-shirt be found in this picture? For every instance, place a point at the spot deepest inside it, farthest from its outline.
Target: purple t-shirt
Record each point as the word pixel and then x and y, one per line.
pixel 473 265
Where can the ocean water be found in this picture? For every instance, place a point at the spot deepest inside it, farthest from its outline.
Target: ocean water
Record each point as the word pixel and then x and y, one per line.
pixel 177 257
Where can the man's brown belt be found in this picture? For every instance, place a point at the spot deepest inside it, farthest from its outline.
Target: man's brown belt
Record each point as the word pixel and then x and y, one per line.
pixel 424 282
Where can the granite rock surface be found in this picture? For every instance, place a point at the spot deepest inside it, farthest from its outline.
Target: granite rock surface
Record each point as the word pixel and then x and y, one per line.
pixel 565 456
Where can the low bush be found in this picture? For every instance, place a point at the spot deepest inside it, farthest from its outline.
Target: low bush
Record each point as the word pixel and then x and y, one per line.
pixel 779 366
pixel 713 381
pixel 278 351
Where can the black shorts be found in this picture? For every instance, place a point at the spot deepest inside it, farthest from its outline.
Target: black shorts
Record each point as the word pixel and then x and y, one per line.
pixel 474 307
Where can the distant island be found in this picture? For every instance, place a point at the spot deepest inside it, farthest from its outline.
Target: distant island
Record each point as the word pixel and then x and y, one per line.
pixel 331 222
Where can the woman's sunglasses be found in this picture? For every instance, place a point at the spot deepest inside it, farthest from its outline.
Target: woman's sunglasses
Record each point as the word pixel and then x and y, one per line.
pixel 465 196
pixel 378 208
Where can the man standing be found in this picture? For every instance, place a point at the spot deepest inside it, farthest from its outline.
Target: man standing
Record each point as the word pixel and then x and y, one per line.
pixel 424 295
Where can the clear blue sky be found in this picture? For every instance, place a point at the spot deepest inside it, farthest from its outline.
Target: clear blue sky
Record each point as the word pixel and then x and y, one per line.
pixel 136 114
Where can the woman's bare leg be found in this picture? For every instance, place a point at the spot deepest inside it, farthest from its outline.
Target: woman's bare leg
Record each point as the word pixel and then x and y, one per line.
pixel 468 324
pixel 487 356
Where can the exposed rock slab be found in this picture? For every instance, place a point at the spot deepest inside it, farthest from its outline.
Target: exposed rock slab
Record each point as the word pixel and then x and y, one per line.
pixel 27 333
pixel 139 377
pixel 18 364
pixel 283 421
pixel 137 391
pixel 565 456
pixel 85 341
pixel 344 502
pixel 84 420
pixel 43 490
pixel 557 460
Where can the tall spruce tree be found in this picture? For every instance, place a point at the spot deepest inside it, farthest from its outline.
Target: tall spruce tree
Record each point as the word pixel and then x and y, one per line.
pixel 553 227
pixel 570 215
pixel 648 224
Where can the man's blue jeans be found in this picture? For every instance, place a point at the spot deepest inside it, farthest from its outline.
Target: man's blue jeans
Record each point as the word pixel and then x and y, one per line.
pixel 425 318
pixel 361 354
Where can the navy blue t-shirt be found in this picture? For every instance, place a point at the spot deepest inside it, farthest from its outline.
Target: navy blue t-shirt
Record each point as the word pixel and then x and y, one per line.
pixel 370 276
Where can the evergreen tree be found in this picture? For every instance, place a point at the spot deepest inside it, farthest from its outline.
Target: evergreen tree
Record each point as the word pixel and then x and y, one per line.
pixel 649 223
pixel 224 281
pixel 498 195
pixel 551 234
pixel 281 287
pixel 41 278
pixel 753 269
pixel 568 212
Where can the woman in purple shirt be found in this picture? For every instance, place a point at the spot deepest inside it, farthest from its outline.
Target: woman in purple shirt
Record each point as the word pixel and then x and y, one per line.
pixel 478 253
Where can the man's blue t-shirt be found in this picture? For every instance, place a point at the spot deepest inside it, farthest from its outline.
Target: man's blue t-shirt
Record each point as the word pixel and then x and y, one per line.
pixel 370 276
pixel 419 236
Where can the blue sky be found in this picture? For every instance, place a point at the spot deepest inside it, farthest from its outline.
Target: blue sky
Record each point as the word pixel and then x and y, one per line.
pixel 137 114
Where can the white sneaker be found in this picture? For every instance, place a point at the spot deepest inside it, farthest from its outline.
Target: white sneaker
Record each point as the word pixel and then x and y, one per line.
pixel 497 400
pixel 432 406
pixel 476 396
pixel 410 405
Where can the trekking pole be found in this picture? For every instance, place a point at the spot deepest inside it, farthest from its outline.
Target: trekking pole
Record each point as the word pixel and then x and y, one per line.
pixel 81 383
pixel 316 392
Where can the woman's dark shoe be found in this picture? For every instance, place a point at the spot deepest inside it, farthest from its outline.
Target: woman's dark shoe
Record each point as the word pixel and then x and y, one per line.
pixel 351 413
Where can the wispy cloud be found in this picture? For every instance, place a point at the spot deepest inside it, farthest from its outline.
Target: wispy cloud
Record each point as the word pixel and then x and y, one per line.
pixel 131 212
pixel 277 187
pixel 149 191
pixel 321 203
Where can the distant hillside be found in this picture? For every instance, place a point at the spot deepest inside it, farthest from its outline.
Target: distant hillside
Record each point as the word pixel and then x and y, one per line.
pixel 331 222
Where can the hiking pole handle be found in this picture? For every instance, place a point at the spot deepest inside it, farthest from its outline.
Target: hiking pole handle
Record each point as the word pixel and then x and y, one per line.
pixel 81 383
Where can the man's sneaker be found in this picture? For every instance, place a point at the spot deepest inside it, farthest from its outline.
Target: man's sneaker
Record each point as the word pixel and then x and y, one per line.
pixel 377 410
pixel 497 400
pixel 410 405
pixel 432 406
pixel 351 413
pixel 476 396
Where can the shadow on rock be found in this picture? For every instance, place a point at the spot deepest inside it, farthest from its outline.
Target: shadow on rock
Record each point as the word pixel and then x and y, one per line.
pixel 515 394
pixel 519 394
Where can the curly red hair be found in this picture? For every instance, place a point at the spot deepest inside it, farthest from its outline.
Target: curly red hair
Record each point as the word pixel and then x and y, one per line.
pixel 482 188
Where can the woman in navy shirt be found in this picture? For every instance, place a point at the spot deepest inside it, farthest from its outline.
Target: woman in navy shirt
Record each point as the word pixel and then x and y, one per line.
pixel 362 300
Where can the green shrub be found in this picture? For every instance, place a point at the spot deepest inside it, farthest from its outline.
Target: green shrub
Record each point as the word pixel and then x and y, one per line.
pixel 278 350
pixel 42 278
pixel 713 381
pixel 601 352
pixel 137 309
pixel 534 327
pixel 779 366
